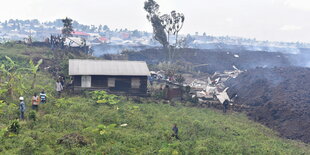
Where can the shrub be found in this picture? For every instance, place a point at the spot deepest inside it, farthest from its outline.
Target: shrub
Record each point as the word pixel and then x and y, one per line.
pixel 32 115
pixel 72 140
pixel 3 132
pixel 103 129
pixel 29 146
pixel 14 127
pixel 102 97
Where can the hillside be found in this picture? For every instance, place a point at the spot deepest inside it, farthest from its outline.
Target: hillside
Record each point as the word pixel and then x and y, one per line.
pixel 202 131
pixel 79 124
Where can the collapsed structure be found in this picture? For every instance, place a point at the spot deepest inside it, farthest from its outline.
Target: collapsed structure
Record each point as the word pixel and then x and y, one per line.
pixel 211 89
pixel 215 87
pixel 128 77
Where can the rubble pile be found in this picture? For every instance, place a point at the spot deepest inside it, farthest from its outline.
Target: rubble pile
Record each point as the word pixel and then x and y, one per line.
pixel 214 87
pixel 278 98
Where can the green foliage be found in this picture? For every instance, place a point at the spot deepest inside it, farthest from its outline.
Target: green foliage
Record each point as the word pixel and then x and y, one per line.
pixel 34 69
pixel 103 129
pixel 72 140
pixel 14 127
pixel 8 111
pixel 3 131
pixel 147 130
pixel 13 77
pixel 2 105
pixel 102 97
pixel 32 115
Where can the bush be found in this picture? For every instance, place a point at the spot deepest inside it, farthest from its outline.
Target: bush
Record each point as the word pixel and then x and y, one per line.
pixel 14 127
pixel 102 97
pixel 72 140
pixel 32 115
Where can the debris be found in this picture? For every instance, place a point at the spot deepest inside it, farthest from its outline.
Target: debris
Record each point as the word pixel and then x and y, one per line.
pixel 222 96
pixel 123 125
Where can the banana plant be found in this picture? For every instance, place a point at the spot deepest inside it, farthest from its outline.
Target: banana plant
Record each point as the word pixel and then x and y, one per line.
pixel 11 78
pixel 34 70
pixel 9 74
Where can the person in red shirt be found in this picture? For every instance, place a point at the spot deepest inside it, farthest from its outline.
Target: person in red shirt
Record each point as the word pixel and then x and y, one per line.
pixel 35 102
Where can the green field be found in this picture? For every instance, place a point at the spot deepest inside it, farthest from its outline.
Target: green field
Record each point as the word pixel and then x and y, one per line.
pixel 81 125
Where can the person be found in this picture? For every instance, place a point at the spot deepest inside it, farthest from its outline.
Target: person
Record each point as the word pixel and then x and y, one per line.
pixel 43 97
pixel 22 108
pixel 35 102
pixel 62 80
pixel 225 105
pixel 59 88
pixel 175 130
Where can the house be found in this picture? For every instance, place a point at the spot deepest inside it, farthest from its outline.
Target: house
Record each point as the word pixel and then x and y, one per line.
pixel 120 77
pixel 80 34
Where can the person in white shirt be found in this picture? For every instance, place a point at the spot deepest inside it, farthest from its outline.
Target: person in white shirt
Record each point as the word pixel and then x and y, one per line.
pixel 59 88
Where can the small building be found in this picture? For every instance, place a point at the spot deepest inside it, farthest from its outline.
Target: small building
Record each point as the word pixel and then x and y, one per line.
pixel 120 77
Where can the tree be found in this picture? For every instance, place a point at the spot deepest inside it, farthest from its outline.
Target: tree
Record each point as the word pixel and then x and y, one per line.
pixel 152 8
pixel 185 41
pixel 100 28
pixel 106 28
pixel 164 26
pixel 136 33
pixel 179 78
pixel 34 70
pixel 67 27
pixel 173 23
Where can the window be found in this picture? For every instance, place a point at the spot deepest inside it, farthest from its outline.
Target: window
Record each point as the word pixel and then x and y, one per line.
pixel 135 83
pixel 86 81
pixel 111 82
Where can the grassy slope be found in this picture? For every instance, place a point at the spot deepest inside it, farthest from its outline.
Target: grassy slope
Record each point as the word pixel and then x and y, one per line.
pixel 202 131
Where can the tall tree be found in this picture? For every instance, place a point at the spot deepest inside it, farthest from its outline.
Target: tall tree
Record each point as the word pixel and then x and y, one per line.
pixel 173 23
pixel 67 27
pixel 152 8
pixel 164 26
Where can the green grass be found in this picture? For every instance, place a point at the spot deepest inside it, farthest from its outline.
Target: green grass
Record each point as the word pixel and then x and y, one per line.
pixel 202 131
pixel 22 51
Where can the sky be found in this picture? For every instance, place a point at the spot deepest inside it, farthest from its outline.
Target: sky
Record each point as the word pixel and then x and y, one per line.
pixel 274 20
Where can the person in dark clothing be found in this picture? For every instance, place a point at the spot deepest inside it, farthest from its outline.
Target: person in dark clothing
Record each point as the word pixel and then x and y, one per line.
pixel 22 108
pixel 225 105
pixel 175 130
pixel 62 81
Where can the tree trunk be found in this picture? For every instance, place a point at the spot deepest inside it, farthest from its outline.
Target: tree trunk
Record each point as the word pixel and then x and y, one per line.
pixel 168 47
pixel 10 89
pixel 34 80
pixel 167 52
pixel 175 46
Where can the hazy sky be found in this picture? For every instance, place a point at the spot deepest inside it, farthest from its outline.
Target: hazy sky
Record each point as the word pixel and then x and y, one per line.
pixel 277 20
